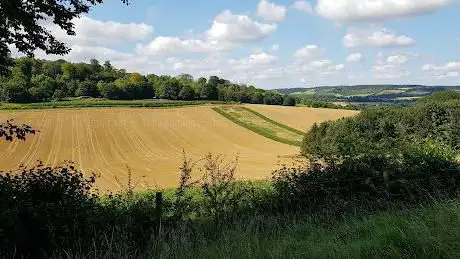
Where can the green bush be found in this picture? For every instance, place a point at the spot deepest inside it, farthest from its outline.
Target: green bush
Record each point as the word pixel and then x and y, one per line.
pixel 383 129
pixel 406 172
pixel 48 208
pixel 43 208
pixel 288 101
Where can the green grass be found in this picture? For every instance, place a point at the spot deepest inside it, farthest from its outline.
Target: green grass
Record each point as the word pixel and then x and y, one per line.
pixel 274 122
pixel 261 125
pixel 430 231
pixel 102 103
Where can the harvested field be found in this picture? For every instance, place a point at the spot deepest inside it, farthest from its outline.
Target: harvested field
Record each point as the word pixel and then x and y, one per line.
pixel 150 142
pixel 301 118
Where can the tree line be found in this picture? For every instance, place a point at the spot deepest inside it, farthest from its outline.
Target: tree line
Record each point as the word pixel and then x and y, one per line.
pixel 35 80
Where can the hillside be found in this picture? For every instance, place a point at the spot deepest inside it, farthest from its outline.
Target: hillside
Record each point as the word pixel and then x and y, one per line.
pixel 366 93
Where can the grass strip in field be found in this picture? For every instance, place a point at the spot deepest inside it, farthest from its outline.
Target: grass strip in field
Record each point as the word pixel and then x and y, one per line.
pixel 102 104
pixel 274 122
pixel 261 125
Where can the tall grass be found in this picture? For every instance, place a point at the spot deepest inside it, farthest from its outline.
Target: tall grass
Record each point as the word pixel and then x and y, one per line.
pixel 429 231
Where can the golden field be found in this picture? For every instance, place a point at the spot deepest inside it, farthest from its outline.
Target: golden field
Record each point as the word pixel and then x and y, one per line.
pixel 148 141
pixel 300 118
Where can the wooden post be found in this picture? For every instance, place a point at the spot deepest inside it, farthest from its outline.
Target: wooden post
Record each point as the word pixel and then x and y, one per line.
pixel 159 209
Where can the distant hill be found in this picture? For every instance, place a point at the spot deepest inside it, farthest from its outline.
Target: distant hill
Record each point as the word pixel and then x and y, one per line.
pixel 366 93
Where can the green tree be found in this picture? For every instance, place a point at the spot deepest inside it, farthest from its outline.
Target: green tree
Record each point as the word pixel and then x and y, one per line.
pixel 22 69
pixel 288 100
pixel 43 87
pixel 14 91
pixel 209 90
pixel 109 90
pixel 187 93
pixel 272 98
pixel 87 88
pixel 52 68
pixel 172 89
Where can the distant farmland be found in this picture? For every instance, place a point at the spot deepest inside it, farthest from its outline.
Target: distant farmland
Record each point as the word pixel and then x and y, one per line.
pixel 149 141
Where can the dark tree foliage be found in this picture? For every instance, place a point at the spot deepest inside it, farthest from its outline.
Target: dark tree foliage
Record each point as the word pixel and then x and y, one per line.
pixel 186 93
pixel 385 129
pixel 288 101
pixel 35 80
pixel 9 131
pixel 23 25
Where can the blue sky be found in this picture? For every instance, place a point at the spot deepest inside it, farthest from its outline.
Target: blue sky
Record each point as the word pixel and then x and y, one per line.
pixel 277 43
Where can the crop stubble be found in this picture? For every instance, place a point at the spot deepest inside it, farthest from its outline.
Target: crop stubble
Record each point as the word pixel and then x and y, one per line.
pixel 149 142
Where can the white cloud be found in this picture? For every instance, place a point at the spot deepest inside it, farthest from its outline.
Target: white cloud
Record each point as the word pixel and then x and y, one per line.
pixel 354 57
pixel 450 74
pixel 397 59
pixel 271 11
pixel 303 5
pixel 320 63
pixel 227 31
pixel 317 68
pixel 171 45
pixel 275 47
pixel 94 32
pixel 254 60
pixel 390 67
pixel 228 27
pixel 380 38
pixel 308 52
pixel 373 10
pixel 451 69
pixel 339 67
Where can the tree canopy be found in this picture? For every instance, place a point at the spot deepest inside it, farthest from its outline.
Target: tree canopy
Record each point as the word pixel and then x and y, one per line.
pixel 35 80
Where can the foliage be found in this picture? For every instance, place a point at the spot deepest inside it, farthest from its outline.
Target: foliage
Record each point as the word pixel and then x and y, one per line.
pixel 288 101
pixel 10 131
pixel 22 25
pixel 410 172
pixel 314 103
pixel 34 80
pixel 186 93
pixel 384 129
pixel 43 208
pixel 441 96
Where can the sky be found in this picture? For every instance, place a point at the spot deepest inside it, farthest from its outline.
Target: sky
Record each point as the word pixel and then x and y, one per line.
pixel 276 43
